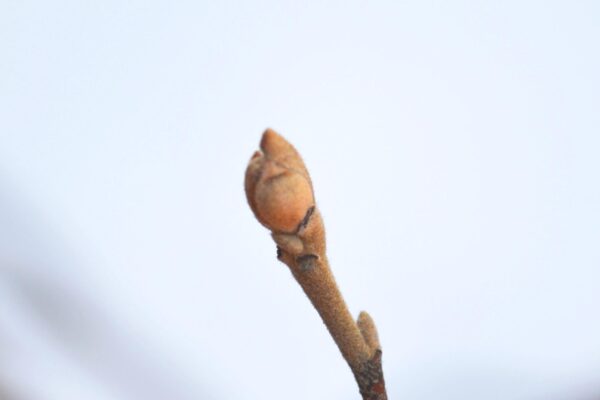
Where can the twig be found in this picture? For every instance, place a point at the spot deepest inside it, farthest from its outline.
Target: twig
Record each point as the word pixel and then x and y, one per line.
pixel 280 194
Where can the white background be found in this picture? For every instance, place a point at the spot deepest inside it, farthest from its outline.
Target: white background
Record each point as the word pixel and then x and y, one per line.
pixel 454 149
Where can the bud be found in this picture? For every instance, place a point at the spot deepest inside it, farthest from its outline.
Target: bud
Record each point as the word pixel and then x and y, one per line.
pixel 277 184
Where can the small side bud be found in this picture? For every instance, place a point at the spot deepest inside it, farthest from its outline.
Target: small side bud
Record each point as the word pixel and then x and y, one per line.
pixel 288 242
pixel 368 331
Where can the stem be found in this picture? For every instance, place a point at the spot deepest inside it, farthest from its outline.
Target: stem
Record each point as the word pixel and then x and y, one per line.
pixel 304 253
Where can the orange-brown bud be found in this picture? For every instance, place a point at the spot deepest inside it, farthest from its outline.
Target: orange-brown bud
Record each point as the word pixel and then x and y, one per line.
pixel 277 184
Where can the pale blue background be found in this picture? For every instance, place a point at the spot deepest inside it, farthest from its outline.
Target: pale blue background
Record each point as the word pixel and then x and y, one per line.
pixel 454 148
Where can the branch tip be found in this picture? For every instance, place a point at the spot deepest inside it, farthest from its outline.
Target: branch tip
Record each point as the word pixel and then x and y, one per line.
pixel 280 193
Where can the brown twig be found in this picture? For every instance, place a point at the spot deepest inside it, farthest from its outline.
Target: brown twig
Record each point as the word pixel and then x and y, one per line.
pixel 280 194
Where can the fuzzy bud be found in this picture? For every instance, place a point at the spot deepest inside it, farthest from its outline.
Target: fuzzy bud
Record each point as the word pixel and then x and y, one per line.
pixel 278 187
